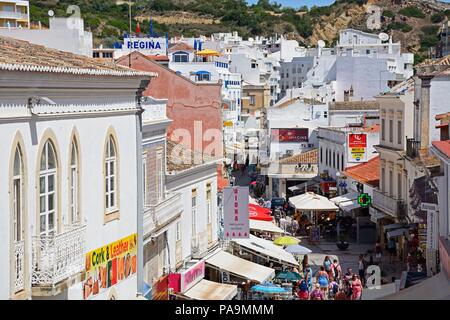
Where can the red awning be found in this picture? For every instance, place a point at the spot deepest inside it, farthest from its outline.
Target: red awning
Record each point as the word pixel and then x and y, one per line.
pixel 258 213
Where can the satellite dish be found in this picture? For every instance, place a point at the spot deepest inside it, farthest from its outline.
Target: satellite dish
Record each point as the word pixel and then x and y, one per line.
pixel 321 44
pixel 51 13
pixel 383 36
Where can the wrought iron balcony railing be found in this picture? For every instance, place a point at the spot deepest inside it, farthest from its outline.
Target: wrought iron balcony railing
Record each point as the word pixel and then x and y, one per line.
pixel 58 257
pixel 19 266
pixel 412 148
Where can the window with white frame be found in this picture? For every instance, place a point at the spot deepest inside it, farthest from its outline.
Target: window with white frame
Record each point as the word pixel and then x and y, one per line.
pixel 391 130
pixel 47 190
pixel 399 132
pixel 18 194
pixel 74 184
pixel 111 176
pixel 180 56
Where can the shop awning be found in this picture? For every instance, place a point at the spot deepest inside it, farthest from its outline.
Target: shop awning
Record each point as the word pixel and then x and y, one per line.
pixel 397 233
pixel 240 267
pixel 392 226
pixel 377 215
pixel 434 288
pixel 348 206
pixel 267 249
pixel 210 290
pixel 264 226
pixel 312 202
pixel 345 198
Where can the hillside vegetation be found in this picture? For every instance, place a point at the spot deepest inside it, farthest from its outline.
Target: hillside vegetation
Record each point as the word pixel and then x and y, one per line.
pixel 414 22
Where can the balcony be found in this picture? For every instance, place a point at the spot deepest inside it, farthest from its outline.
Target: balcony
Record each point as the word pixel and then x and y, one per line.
pixel 163 213
pixel 13 15
pixel 389 205
pixel 58 257
pixel 19 265
pixel 412 148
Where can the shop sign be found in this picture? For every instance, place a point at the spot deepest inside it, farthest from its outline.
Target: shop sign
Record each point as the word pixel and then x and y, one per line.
pixel 290 135
pixel 109 265
pixel 192 276
pixel 228 123
pixel 357 147
pixel 235 213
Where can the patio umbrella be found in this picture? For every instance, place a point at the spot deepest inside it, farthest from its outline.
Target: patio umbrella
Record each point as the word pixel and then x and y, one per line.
pixel 286 241
pixel 258 213
pixel 297 249
pixel 268 288
pixel 288 276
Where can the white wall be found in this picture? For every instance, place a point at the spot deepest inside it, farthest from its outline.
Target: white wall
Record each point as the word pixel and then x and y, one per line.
pixel 439 103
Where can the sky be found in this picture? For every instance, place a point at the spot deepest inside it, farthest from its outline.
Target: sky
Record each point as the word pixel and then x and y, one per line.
pixel 309 3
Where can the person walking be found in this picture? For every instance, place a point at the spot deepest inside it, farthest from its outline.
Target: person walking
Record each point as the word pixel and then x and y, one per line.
pixel 337 271
pixel 362 269
pixel 308 275
pixel 328 266
pixel 305 262
pixel 356 288
pixel 303 290
pixel 392 250
pixel 378 252
pixel 317 293
pixel 322 279
pixel 340 295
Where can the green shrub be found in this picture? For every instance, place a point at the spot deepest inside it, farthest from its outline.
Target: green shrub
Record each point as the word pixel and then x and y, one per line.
pixel 412 12
pixel 437 17
pixel 430 30
pixel 388 14
pixel 428 41
pixel 402 26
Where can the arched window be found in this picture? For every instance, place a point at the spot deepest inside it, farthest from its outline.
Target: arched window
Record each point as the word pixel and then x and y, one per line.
pixel 47 190
pixel 18 195
pixel 111 176
pixel 74 183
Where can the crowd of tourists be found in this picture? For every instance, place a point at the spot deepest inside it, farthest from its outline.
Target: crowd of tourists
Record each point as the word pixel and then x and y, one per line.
pixel 329 282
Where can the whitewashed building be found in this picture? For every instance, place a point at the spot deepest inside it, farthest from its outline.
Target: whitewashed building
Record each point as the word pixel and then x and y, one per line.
pixel 65 34
pixel 196 234
pixel 70 201
pixel 14 14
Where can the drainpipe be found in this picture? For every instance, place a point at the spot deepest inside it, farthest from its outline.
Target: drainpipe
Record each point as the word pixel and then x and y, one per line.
pixel 140 191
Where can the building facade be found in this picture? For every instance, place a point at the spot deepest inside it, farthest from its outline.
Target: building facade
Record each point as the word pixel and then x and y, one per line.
pixel 71 204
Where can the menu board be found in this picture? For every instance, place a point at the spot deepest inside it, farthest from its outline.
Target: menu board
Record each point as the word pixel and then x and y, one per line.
pixel 109 265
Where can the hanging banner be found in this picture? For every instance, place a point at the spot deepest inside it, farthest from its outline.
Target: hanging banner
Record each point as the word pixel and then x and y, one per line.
pixel 109 265
pixel 235 213
pixel 357 148
pixel 290 135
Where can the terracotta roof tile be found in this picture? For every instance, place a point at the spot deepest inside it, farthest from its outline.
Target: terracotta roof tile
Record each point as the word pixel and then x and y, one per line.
pixel 158 58
pixel 180 158
pixel 311 157
pixel 443 146
pixel 18 55
pixel 180 46
pixel 366 173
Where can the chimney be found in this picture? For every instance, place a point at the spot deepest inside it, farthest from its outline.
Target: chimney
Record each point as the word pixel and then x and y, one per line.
pixel 425 110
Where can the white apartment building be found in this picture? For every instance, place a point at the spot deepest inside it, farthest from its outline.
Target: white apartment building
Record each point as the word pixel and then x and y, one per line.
pixel 162 208
pixel 64 34
pixel 334 150
pixel 70 201
pixel 293 127
pixel 14 14
pixel 197 231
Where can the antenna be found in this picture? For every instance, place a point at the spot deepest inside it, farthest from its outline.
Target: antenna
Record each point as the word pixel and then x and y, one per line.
pixel 383 36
